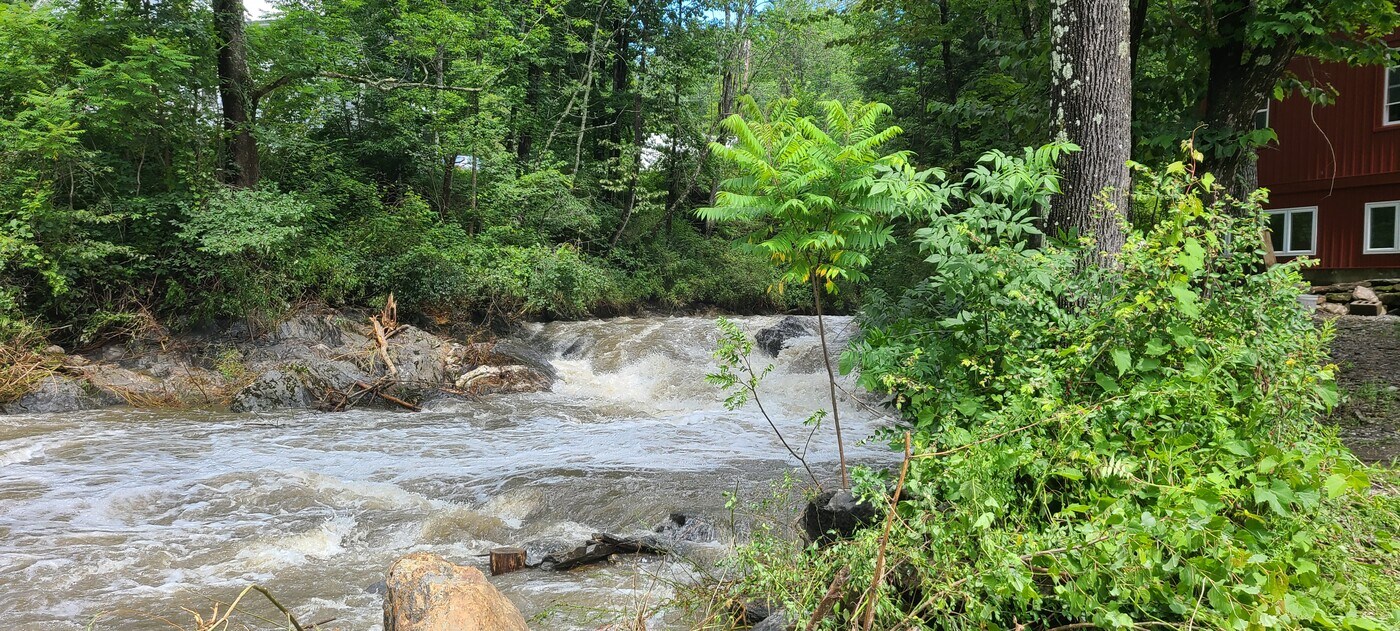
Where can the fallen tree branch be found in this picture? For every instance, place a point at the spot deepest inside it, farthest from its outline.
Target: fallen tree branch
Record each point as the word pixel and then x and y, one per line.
pixel 387 397
pixel 382 345
pixel 869 618
pixel 829 600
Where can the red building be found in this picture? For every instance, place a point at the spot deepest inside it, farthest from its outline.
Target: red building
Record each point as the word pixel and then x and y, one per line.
pixel 1334 174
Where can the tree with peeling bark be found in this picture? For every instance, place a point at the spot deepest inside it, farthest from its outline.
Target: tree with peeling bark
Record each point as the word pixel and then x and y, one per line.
pixel 1091 106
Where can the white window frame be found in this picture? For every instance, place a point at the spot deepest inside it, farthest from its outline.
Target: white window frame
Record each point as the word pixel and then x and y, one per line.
pixel 1267 115
pixel 1366 235
pixel 1288 229
pixel 1385 98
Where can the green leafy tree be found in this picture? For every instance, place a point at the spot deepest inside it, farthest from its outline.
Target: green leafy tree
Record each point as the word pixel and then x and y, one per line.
pixel 816 196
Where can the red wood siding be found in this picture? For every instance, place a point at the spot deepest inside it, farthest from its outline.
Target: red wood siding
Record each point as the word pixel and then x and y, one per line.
pixel 1338 158
pixel 1321 147
pixel 1341 224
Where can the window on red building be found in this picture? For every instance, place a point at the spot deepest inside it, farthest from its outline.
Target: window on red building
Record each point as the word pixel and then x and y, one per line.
pixel 1392 96
pixel 1293 230
pixel 1382 228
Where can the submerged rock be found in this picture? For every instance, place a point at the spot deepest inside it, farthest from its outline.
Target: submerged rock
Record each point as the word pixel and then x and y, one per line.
pixel 425 592
pixel 772 340
pixel 835 515
pixel 680 527
pixel 776 622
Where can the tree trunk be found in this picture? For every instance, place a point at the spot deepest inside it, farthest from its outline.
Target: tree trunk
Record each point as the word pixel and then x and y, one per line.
pixel 673 192
pixel 1091 106
pixel 637 139
pixel 449 153
pixel 732 84
pixel 830 380
pixel 449 165
pixel 1135 33
pixel 532 97
pixel 235 87
pixel 507 559
pixel 476 132
pixel 1239 85
pixel 951 84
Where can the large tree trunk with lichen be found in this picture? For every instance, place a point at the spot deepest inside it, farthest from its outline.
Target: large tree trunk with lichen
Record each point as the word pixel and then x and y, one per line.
pixel 1091 106
pixel 235 89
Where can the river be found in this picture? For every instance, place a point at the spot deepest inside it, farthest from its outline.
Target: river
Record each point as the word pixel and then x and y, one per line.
pixel 127 517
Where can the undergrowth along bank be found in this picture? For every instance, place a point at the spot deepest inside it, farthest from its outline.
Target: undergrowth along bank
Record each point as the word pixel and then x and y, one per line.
pixel 1137 446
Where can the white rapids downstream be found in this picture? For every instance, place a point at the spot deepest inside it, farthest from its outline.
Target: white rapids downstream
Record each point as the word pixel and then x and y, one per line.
pixel 134 518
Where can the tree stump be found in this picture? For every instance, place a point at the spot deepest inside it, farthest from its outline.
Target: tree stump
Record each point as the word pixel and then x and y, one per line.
pixel 507 559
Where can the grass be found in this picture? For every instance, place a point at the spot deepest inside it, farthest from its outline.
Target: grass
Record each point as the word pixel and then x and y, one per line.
pixel 22 367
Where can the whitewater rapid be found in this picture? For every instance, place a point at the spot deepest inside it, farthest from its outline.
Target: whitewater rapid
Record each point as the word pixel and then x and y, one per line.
pixel 119 518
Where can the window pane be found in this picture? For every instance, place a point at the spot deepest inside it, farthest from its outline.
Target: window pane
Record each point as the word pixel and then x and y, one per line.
pixel 1261 119
pixel 1300 236
pixel 1393 115
pixel 1276 230
pixel 1382 228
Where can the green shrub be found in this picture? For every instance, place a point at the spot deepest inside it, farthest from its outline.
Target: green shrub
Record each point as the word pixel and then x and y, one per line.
pixel 1132 448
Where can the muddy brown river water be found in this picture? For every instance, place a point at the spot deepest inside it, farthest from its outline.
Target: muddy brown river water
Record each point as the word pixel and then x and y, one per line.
pixel 116 519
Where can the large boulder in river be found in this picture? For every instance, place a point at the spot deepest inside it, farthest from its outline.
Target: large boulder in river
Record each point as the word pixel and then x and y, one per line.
pixel 835 515
pixel 772 340
pixel 425 592
pixel 308 382
pixel 511 353
pixel 327 360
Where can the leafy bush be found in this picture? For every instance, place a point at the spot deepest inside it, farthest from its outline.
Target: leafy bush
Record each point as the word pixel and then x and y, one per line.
pixel 1137 447
pixel 238 222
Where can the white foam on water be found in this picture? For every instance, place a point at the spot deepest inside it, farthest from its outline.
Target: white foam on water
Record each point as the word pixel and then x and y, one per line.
pixel 24 451
pixel 155 511
pixel 322 542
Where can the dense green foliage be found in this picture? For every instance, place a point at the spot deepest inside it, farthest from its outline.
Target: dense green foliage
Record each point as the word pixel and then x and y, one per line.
pixel 813 192
pixel 534 159
pixel 479 159
pixel 1132 447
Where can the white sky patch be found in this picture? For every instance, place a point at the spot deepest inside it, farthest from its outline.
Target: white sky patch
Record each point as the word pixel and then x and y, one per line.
pixel 258 9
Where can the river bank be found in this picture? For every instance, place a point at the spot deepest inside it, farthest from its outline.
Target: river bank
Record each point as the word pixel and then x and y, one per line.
pixel 317 358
